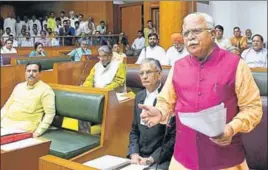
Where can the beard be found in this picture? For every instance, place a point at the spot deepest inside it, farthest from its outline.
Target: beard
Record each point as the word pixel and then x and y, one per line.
pixel 152 45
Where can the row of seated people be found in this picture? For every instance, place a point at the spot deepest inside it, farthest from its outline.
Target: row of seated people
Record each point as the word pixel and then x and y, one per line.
pixel 183 92
pixel 141 149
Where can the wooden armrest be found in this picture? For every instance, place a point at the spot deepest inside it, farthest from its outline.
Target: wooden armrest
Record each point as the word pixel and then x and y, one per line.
pixel 50 162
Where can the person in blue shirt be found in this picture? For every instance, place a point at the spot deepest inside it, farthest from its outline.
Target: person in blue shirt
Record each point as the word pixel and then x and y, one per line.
pixel 77 53
pixel 38 50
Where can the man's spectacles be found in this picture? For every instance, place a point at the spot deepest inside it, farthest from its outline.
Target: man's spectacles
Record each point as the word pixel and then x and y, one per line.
pixel 147 73
pixel 196 31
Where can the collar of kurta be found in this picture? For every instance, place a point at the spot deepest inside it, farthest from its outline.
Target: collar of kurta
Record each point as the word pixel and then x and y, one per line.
pixel 33 86
pixel 214 52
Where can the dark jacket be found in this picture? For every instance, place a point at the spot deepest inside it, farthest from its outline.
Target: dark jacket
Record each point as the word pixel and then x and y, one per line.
pixel 148 141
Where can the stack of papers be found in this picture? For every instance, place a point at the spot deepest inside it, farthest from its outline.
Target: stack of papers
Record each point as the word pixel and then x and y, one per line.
pixel 9 131
pixel 21 144
pixel 122 96
pixel 210 122
pixel 108 162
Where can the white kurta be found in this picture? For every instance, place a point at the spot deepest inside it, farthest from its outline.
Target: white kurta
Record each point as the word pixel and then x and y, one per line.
pixel 11 23
pixel 255 58
pixel 173 54
pixel 156 52
pixel 4 50
pixel 223 43
pixel 105 75
pixel 138 43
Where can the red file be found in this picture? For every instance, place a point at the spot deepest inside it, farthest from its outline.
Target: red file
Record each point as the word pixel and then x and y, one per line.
pixel 15 137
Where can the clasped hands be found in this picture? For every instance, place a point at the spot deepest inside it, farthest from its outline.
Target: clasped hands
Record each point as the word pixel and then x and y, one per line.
pixel 137 159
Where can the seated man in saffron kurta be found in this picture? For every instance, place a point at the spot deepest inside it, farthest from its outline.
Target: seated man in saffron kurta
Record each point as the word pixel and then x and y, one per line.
pixel 31 106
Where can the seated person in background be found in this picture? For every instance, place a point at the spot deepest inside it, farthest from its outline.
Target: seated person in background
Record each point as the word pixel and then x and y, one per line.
pixel 107 73
pixel 256 56
pixel 101 28
pixel 111 40
pixel 77 53
pixel 248 34
pixel 31 106
pixel 38 50
pixel 145 143
pixel 177 51
pixel 238 40
pixel 117 55
pixel 222 42
pixel 54 42
pixel 123 41
pixel 8 48
pixel 98 40
pixel 15 42
pixel 43 39
pixel 66 30
pixel 27 41
pixel 84 38
pixel 137 46
pixel 153 51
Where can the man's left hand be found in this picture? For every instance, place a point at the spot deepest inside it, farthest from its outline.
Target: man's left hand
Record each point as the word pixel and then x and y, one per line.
pixel 224 139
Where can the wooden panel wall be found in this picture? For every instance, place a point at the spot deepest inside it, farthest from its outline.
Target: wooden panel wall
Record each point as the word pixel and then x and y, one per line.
pixel 131 21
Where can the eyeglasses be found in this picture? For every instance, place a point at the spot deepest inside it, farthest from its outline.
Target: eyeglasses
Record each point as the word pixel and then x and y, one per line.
pixel 147 73
pixel 195 32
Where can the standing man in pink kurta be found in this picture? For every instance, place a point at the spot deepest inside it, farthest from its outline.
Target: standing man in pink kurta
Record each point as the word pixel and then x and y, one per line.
pixel 205 78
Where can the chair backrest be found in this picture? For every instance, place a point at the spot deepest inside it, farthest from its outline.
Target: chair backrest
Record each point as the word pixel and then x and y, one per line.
pixel 87 107
pixel 46 62
pixel 261 81
pixel 133 78
pixel 255 143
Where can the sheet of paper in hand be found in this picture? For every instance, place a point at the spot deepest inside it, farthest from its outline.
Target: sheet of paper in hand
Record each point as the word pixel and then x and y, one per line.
pixel 210 121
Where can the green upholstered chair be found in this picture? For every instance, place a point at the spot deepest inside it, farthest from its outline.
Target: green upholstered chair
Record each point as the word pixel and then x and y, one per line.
pixel 87 107
pixel 46 62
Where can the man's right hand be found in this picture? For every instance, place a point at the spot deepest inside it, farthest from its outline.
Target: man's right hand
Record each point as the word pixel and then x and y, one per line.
pixel 150 115
pixel 135 158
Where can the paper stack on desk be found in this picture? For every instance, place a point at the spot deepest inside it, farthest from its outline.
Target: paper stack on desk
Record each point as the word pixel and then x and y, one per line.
pixel 108 162
pixel 210 122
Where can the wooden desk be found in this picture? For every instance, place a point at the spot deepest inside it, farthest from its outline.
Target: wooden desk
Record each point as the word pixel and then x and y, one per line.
pixel 50 162
pixel 25 158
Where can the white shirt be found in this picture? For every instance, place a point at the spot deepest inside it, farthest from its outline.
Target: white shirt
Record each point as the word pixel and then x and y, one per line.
pixel 223 43
pixel 43 23
pixel 101 30
pixel 78 31
pixel 37 22
pixel 11 23
pixel 87 30
pixel 54 42
pixel 150 97
pixel 73 20
pixel 26 43
pixel 173 54
pixel 156 52
pixel 4 50
pixel 254 58
pixel 138 43
pixel 5 36
pixel 19 27
pixel 15 43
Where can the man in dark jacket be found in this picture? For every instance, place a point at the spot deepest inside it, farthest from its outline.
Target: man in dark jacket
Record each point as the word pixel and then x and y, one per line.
pixel 145 144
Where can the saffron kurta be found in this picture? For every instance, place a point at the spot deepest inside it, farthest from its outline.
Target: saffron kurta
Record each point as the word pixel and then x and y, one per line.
pixel 192 89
